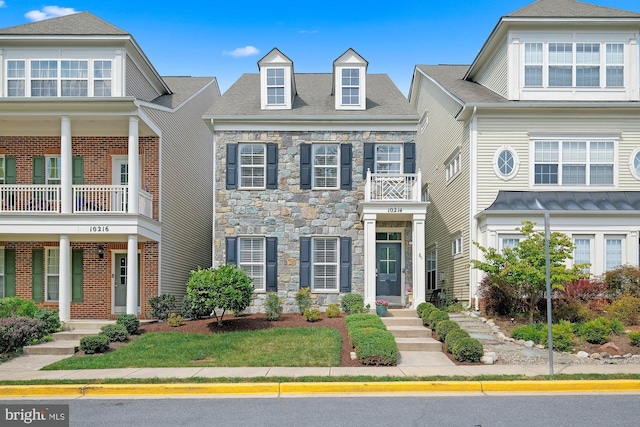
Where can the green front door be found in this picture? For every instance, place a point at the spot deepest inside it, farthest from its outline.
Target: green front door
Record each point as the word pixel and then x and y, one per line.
pixel 120 285
pixel 388 268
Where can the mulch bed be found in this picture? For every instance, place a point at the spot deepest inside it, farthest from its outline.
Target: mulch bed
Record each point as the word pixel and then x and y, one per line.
pixel 252 322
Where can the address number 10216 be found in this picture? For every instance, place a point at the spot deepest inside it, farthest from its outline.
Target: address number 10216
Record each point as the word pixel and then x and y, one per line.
pixel 99 229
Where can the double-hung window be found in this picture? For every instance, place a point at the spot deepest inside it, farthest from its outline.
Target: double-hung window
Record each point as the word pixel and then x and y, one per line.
pixel 560 64
pixel 325 273
pixel 389 158
pixel 350 86
pixel 432 263
pixel 52 276
pixel 2 170
pixel 615 65
pixel 275 86
pixel 252 165
pixel 533 64
pixel 102 78
pixel 251 258
pixel 582 251
pixel 574 162
pixel 326 162
pixel 456 245
pixel 16 78
pixel 44 78
pixel 453 166
pixel 508 242
pixel 588 65
pixel 74 78
pixel 52 171
pixel 613 252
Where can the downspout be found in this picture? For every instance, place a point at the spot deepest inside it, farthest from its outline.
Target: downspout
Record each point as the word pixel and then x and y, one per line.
pixel 473 207
pixel 213 230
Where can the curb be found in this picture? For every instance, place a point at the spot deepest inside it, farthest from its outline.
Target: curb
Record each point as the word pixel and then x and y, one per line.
pixel 299 388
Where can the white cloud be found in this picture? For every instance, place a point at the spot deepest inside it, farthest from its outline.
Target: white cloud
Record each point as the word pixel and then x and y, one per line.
pixel 2 3
pixel 49 12
pixel 242 51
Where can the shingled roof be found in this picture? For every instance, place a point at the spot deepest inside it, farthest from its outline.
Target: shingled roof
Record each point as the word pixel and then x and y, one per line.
pixel 566 201
pixel 313 99
pixel 451 78
pixel 569 9
pixel 181 89
pixel 83 23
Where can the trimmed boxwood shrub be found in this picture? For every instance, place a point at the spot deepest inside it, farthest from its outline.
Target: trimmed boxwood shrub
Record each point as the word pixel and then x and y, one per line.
pixel 444 327
pixel 374 346
pixel 422 306
pixel 94 344
pixel 453 337
pixel 303 299
pixel 312 314
pixel 468 350
pixel 598 330
pixel 50 318
pixel 352 303
pixel 562 334
pixel 364 320
pixel 333 310
pixel 531 332
pixel 18 331
pixel 634 338
pixel 273 306
pixel 426 311
pixel 16 306
pixel 115 332
pixel 130 322
pixel 436 317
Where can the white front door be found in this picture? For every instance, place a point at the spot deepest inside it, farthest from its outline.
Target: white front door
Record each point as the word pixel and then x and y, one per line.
pixel 120 176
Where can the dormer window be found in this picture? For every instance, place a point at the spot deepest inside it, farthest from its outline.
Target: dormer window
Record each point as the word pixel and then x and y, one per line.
pixel 350 86
pixel 349 81
pixel 275 86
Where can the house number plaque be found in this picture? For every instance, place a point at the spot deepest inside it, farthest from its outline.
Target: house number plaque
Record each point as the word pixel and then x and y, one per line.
pixel 395 210
pixel 99 229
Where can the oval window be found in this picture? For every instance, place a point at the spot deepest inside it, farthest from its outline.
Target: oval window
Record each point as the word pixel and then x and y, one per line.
pixel 505 162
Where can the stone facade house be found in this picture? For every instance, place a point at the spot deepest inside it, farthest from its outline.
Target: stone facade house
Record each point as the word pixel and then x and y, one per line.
pixel 316 183
pixel 105 177
pixel 546 118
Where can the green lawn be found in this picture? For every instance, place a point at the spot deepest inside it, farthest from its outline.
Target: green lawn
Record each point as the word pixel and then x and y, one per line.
pixel 269 347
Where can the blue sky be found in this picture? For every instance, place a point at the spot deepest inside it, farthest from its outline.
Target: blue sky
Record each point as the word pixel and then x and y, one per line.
pixel 226 38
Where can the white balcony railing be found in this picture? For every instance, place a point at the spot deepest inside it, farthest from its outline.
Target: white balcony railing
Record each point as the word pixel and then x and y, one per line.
pixel 393 187
pixel 87 199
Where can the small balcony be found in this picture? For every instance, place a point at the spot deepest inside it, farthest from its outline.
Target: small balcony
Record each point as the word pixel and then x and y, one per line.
pixel 381 187
pixel 104 199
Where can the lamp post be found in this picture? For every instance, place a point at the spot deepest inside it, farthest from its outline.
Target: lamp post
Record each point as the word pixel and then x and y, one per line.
pixel 547 234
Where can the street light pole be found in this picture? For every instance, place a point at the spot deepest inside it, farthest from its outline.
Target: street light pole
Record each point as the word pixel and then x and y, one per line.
pixel 548 283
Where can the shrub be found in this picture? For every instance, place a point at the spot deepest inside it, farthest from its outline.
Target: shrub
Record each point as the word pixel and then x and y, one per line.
pixel 426 312
pixel 573 311
pixel 422 306
pixel 18 331
pixel 130 322
pixel 94 344
pixel 374 346
pixel 364 320
pixel 453 337
pixel 303 299
pixel 312 314
pixel 530 332
pixel 115 332
pixel 634 338
pixel 626 309
pixel 585 289
pixel 467 350
pixel 273 306
pixel 499 298
pixel 174 320
pixel 623 280
pixel 161 305
pixel 597 331
pixel 190 311
pixel 352 303
pixel 562 334
pixel 50 318
pixel 444 327
pixel 15 306
pixel 454 307
pixel 333 310
pixel 437 316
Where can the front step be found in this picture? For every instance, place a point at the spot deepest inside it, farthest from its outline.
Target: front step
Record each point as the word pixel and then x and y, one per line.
pixel 402 321
pixel 75 334
pixel 88 324
pixel 418 344
pixel 54 347
pixel 409 331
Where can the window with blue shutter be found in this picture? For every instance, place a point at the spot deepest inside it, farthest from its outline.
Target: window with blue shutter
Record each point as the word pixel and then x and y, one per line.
pixel 305 166
pixel 231 244
pixel 345 166
pixel 409 157
pixel 369 162
pixel 305 262
pixel 272 264
pixel 345 264
pixel 272 165
pixel 232 166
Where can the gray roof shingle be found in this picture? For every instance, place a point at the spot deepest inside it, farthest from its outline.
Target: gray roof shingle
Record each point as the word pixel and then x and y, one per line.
pixel 181 88
pixel 83 23
pixel 313 98
pixel 451 77
pixel 566 201
pixel 569 9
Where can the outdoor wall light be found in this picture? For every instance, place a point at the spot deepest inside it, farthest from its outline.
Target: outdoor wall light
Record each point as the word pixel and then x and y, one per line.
pixel 100 251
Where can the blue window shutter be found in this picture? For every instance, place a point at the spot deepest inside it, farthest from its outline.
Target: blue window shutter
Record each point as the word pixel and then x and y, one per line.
pixel 77 167
pixel 9 272
pixel 37 275
pixel 305 262
pixel 409 157
pixel 345 264
pixel 272 165
pixel 345 166
pixel 232 166
pixel 77 266
pixel 38 169
pixel 232 250
pixel 10 170
pixel 272 264
pixel 369 158
pixel 305 166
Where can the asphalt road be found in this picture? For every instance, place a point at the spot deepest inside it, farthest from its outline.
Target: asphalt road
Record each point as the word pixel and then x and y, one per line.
pixel 584 410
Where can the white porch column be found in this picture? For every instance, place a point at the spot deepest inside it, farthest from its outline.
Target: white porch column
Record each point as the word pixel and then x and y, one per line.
pixel 132 275
pixel 66 174
pixel 64 280
pixel 370 260
pixel 418 260
pixel 134 173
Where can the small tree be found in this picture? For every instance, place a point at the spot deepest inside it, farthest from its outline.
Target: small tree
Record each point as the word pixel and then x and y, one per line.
pixel 523 267
pixel 224 288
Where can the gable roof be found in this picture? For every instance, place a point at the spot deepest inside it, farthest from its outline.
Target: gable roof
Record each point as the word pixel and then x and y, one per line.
pixel 451 79
pixel 83 23
pixel 182 87
pixel 569 9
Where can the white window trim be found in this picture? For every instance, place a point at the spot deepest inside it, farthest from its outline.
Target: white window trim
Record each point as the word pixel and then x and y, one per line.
pixel 591 239
pixel 588 138
pixel 503 237
pixel 361 105
pixel 276 86
pixel 433 250
pixel 457 245
pixel 3 162
pixel 623 244
pixel 313 166
pixel 47 179
pixel 240 166
pixel 632 157
pixel 453 166
pixel 313 265
pixel 496 166
pixel 399 162
pixel 47 275
pixel 424 122
pixel 262 263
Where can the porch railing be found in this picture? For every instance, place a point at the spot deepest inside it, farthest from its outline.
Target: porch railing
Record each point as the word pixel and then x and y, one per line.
pixel 86 199
pixel 393 187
